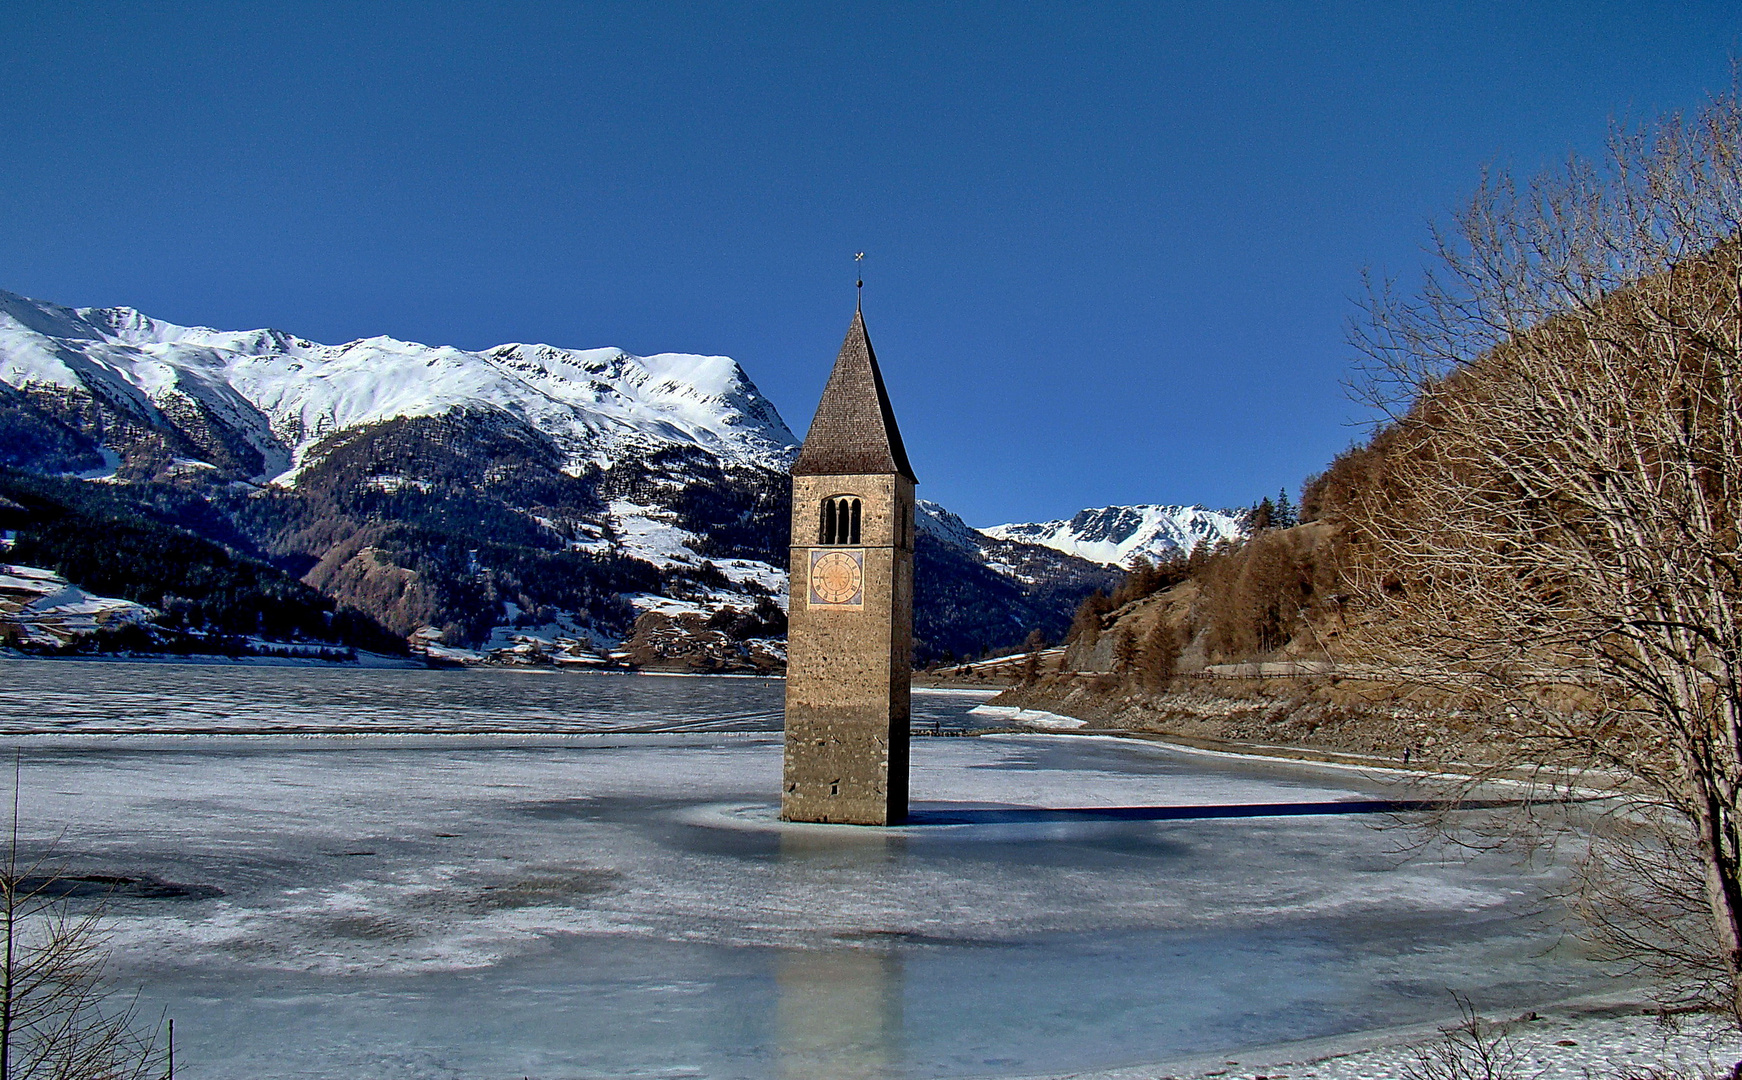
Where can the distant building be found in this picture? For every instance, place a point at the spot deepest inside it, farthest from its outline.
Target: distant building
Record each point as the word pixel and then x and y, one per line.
pixel 850 628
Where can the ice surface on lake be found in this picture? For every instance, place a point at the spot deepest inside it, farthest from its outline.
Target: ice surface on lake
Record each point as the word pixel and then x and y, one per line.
pixel 520 891
pixel 94 697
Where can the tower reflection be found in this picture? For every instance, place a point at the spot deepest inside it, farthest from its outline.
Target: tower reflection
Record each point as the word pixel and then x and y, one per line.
pixel 839 1010
pixel 839 1015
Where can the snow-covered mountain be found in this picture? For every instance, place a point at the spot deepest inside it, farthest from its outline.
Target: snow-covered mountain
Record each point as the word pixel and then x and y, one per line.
pixel 1117 535
pixel 257 402
pixel 475 498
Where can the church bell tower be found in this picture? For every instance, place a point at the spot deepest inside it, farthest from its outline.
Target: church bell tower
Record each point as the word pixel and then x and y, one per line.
pixel 850 618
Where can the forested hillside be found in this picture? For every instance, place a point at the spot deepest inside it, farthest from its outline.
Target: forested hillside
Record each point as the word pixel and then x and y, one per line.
pixel 144 544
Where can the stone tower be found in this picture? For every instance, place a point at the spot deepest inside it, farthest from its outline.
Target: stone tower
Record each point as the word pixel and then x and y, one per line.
pixel 850 621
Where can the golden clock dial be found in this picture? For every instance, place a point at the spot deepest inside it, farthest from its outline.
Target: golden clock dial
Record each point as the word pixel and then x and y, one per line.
pixel 837 577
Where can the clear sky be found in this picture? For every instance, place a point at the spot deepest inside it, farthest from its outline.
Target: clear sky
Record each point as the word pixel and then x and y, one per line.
pixel 1112 247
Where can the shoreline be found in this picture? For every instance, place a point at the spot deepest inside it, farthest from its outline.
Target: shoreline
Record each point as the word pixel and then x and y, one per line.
pixel 1044 722
pixel 368 661
pixel 1611 1036
pixel 1047 722
pixel 364 661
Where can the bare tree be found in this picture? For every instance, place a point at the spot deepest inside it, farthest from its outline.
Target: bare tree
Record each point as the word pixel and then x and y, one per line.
pixel 1555 541
pixel 1035 644
pixel 1158 659
pixel 58 1020
pixel 1473 1049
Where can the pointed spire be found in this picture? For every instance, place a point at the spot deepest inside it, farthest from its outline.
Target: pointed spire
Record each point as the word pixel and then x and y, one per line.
pixel 854 431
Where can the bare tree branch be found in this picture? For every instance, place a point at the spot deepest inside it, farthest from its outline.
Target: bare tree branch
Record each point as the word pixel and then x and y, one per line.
pixel 1557 540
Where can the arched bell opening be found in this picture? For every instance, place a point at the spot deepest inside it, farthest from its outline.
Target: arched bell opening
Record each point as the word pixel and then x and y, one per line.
pixel 841 518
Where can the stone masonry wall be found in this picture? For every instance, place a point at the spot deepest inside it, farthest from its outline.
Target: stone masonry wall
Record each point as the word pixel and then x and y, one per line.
pixel 847 684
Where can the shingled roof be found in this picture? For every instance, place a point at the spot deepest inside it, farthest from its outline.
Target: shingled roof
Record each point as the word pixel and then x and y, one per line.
pixel 854 432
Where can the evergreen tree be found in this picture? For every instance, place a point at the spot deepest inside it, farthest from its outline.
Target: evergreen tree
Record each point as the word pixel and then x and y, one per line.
pixel 1284 515
pixel 1262 516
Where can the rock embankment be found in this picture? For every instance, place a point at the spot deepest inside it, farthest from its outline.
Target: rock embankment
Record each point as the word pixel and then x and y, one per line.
pixel 1246 647
pixel 1315 713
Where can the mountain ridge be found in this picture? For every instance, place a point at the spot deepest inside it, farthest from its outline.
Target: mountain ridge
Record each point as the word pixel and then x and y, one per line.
pixel 280 394
pixel 1119 535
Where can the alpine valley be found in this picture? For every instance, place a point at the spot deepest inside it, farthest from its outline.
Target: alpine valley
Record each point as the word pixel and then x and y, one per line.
pixel 524 500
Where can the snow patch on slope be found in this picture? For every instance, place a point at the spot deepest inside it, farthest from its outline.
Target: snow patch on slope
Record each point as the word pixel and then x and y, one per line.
pixel 46 609
pixel 647 533
pixel 1118 535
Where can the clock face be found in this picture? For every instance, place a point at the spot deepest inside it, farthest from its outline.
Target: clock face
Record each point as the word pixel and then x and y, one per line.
pixel 837 578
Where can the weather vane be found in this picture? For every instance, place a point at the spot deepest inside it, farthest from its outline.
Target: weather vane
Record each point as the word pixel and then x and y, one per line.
pixel 858 259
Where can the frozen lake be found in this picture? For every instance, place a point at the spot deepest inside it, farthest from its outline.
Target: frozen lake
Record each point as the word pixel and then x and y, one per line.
pixel 502 874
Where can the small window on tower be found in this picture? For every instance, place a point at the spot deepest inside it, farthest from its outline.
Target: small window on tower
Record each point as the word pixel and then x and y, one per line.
pixel 854 531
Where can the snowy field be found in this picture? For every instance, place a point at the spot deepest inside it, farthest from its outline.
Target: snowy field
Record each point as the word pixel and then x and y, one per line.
pixel 497 874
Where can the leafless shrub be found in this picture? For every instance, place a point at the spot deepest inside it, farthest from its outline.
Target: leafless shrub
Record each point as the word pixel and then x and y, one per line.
pixel 1475 1049
pixel 59 1017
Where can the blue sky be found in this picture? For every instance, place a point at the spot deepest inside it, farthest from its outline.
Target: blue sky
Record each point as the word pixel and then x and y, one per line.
pixel 1111 247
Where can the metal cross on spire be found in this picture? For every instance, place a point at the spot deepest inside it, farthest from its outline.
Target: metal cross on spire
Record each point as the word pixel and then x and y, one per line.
pixel 858 260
